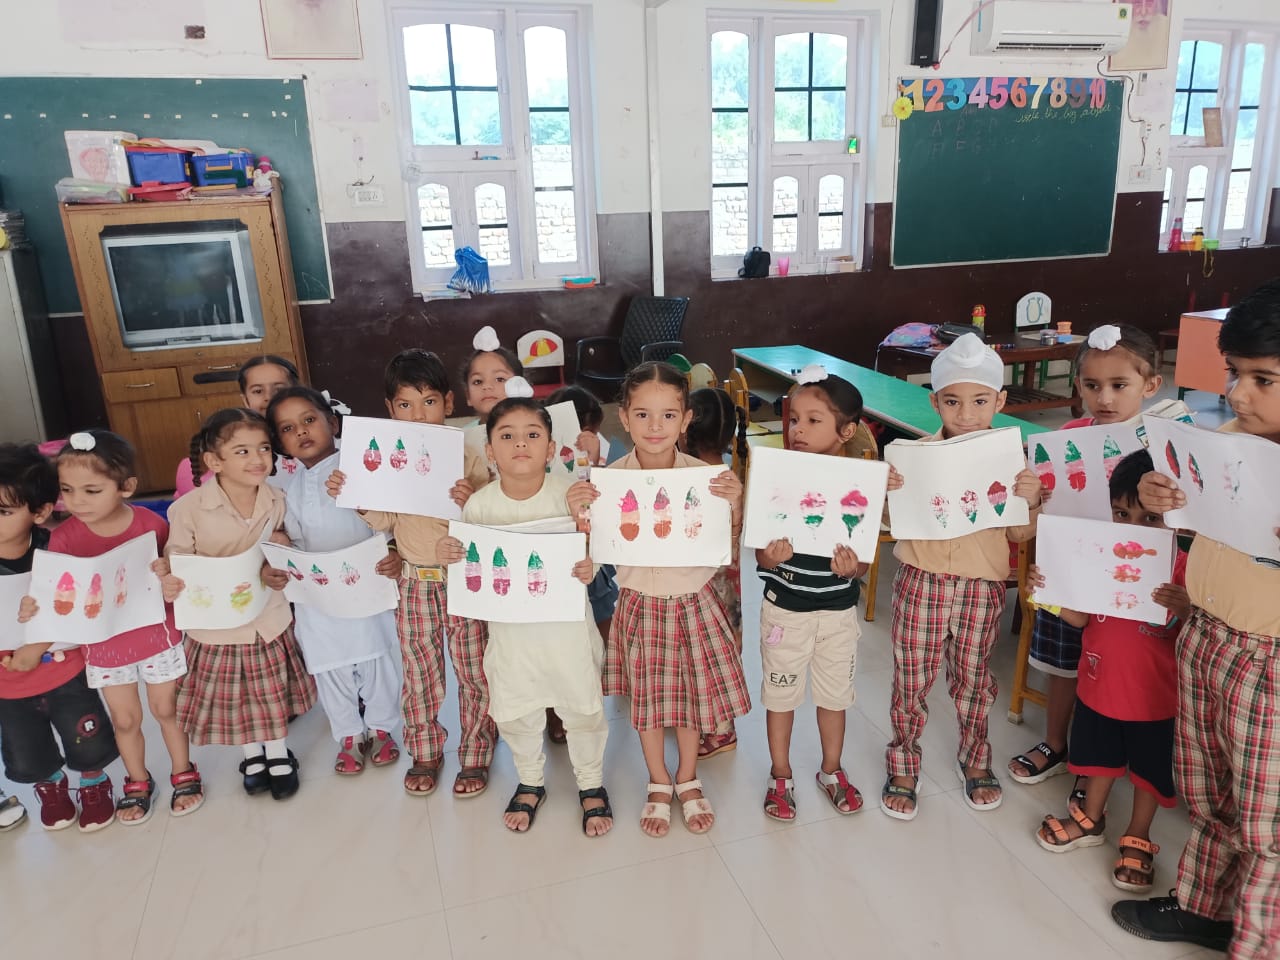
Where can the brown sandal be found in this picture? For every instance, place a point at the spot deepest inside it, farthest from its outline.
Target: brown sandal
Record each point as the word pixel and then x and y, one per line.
pixel 713 744
pixel 471 773
pixel 1055 837
pixel 431 770
pixel 1144 868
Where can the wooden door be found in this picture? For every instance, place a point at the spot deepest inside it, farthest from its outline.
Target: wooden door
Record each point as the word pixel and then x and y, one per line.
pixel 162 431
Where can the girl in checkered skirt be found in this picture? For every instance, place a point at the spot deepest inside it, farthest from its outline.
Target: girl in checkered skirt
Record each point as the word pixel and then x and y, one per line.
pixel 671 647
pixel 242 683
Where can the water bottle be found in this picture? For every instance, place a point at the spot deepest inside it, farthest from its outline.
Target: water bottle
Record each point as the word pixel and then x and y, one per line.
pixel 1175 235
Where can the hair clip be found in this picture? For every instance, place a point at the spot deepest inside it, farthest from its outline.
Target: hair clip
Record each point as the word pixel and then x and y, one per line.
pixel 83 441
pixel 518 386
pixel 486 339
pixel 336 405
pixel 813 373
pixel 1104 337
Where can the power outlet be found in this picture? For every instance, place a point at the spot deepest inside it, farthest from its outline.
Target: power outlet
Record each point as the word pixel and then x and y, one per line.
pixel 888 120
pixel 367 196
pixel 1140 174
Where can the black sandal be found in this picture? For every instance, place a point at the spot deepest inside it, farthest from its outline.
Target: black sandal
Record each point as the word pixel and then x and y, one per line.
pixel 255 783
pixel 517 806
pixel 283 785
pixel 595 793
pixel 136 793
pixel 1055 762
pixel 186 784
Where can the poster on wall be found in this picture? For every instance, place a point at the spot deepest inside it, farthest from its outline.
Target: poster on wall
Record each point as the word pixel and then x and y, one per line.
pixel 312 29
pixel 1148 45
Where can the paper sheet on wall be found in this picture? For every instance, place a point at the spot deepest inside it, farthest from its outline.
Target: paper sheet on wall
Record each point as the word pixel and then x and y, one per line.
pixel 400 466
pixel 816 502
pixel 219 592
pixel 1230 483
pixel 1095 566
pixel 954 487
pixel 659 518
pixel 511 577
pixel 341 583
pixel 1075 466
pixel 85 600
pixel 564 433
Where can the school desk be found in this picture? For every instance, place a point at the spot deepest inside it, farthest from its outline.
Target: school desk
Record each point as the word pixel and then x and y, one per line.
pixel 772 371
pixel 1021 397
pixel 1200 365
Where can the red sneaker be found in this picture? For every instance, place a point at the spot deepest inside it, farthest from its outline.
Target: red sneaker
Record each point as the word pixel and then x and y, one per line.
pixel 97 806
pixel 56 809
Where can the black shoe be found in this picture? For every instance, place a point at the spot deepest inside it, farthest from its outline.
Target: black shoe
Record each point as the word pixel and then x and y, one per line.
pixel 255 783
pixel 283 785
pixel 1160 918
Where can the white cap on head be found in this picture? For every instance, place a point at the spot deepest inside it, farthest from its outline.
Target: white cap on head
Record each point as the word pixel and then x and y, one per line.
pixel 486 339
pixel 967 360
pixel 518 387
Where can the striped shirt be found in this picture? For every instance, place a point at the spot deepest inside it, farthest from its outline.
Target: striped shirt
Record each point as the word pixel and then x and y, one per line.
pixel 806 583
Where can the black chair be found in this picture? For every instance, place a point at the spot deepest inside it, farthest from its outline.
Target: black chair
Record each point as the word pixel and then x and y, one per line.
pixel 651 331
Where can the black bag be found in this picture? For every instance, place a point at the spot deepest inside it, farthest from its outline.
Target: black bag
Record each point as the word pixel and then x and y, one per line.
pixel 755 264
pixel 950 332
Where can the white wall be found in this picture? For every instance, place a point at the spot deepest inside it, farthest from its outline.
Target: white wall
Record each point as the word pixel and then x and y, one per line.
pixel 50 37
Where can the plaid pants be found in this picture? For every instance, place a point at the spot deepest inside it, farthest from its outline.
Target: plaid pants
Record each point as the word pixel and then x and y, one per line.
pixel 421 622
pixel 1227 769
pixel 939 619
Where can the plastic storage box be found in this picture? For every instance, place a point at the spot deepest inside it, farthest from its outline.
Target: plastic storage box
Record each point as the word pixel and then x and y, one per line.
pixel 218 168
pixel 158 165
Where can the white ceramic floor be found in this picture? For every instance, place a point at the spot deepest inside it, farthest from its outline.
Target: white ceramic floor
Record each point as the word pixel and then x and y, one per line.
pixel 354 867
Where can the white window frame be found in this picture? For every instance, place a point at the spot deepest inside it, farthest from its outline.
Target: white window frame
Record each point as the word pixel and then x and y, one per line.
pixel 768 160
pixel 457 168
pixel 1186 152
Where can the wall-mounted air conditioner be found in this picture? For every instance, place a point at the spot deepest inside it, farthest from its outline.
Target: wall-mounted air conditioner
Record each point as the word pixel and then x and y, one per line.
pixel 1030 27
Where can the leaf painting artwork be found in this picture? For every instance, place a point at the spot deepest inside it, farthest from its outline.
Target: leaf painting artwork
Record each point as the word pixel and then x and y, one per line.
pixel 1171 456
pixel 969 505
pixel 471 570
pixel 288 465
pixel 998 496
pixel 1124 600
pixel 1231 480
pixel 318 576
pixel 241 597
pixel 1043 468
pixel 692 514
pixel 853 507
pixel 292 570
pixel 122 585
pixel 941 506
pixel 199 596
pixel 661 514
pixel 629 522
pixel 398 459
pixel 1111 457
pixel 567 458
pixel 423 463
pixel 537 576
pixel 501 573
pixel 93 600
pixel 1126 573
pixel 372 456
pixel 1193 471
pixel 64 595
pixel 813 507
pixel 1076 477
pixel 349 575
pixel 1132 550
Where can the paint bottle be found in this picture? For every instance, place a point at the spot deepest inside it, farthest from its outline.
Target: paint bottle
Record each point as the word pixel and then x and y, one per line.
pixel 1197 239
pixel 1175 235
pixel 979 318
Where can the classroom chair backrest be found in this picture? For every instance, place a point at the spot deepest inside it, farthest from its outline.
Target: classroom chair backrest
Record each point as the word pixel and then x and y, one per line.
pixel 700 376
pixel 543 349
pixel 652 325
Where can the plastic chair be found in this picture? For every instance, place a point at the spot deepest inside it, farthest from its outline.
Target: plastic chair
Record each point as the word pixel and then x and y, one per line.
pixel 542 349
pixel 651 331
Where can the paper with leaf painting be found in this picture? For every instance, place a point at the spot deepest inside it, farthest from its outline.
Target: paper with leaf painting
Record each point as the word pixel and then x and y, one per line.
pixel 85 600
pixel 660 518
pixel 13 587
pixel 565 429
pixel 1111 569
pixel 341 583
pixel 400 466
pixel 1075 467
pixel 219 592
pixel 957 486
pixel 1230 483
pixel 507 576
pixel 816 502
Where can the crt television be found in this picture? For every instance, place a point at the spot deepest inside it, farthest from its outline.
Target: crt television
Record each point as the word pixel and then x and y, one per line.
pixel 179 284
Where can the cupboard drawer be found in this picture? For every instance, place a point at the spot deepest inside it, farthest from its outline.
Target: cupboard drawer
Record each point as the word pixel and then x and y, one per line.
pixel 214 376
pixel 158 383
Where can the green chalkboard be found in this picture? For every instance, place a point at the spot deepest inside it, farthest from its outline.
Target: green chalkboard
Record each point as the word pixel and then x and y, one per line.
pixel 1013 182
pixel 268 117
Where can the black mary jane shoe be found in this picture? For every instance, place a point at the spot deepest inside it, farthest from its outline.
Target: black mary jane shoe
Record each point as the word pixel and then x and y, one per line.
pixel 283 785
pixel 255 783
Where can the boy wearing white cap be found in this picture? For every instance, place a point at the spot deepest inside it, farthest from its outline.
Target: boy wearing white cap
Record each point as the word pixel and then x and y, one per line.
pixel 948 598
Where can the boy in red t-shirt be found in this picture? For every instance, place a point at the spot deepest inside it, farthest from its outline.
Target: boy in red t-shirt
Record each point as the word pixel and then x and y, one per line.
pixel 1127 700
pixel 42 694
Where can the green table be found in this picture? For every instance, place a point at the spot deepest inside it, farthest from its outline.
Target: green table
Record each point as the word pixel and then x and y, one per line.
pixel 901 405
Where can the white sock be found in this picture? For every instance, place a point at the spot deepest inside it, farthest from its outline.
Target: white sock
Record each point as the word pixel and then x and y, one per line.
pixel 253 751
pixel 277 750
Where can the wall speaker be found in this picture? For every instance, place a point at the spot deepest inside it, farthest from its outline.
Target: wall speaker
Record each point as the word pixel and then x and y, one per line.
pixel 924 37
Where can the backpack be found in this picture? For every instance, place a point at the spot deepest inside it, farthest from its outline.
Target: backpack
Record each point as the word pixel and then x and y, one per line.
pixel 755 264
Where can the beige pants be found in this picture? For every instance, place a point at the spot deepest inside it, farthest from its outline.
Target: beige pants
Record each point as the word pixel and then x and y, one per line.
pixel 586 732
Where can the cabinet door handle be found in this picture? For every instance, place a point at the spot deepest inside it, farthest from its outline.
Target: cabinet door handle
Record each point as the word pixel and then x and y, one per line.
pixel 224 366
pixel 139 386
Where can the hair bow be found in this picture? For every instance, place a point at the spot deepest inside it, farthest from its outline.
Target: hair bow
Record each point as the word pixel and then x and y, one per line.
pixel 518 387
pixel 336 405
pixel 486 339
pixel 813 373
pixel 82 441
pixel 1104 337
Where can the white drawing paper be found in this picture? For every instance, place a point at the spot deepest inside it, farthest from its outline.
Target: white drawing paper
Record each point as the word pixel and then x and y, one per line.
pixel 660 518
pixel 13 587
pixel 341 583
pixel 954 487
pixel 512 577
pixel 86 600
pixel 1076 466
pixel 814 501
pixel 1229 480
pixel 400 466
pixel 1095 566
pixel 219 592
pixel 564 434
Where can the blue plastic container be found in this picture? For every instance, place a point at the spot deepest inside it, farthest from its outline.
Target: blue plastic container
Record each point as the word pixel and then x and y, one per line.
pixel 159 166
pixel 217 168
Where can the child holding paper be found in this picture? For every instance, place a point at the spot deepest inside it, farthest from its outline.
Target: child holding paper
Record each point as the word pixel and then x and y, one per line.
pixel 244 682
pixel 1227 749
pixel 43 695
pixel 534 667
pixel 948 598
pixel 97 473
pixel 417 390
pixel 352 660
pixel 1128 695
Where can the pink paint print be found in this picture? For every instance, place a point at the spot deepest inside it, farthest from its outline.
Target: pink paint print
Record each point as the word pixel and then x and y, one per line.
pixel 969 505
pixel 853 508
pixel 1075 467
pixel 288 465
pixel 398 459
pixel 318 576
pixel 1122 600
pixel 292 570
pixel 629 522
pixel 1111 457
pixel 568 459
pixel 1043 467
pixel 1171 457
pixel 692 514
pixel 1126 573
pixel 472 568
pixel 93 601
pixel 941 507
pixel 1132 550
pixel 537 576
pixel 122 586
pixel 372 456
pixel 349 575
pixel 775 636
pixel 813 507
pixel 501 573
pixel 1193 471
pixel 661 514
pixel 423 463
pixel 64 595
pixel 998 497
pixel 241 597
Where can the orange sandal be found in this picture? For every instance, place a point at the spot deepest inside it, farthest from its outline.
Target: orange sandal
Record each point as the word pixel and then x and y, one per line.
pixel 1144 868
pixel 1055 837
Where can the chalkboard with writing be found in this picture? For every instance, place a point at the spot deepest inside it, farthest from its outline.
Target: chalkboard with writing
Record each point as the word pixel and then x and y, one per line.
pixel 1005 168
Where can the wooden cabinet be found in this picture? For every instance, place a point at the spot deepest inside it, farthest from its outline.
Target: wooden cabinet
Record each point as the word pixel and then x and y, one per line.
pixel 1200 364
pixel 157 393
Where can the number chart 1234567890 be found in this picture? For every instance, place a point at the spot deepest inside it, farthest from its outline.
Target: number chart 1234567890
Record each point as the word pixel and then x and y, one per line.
pixel 999 93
